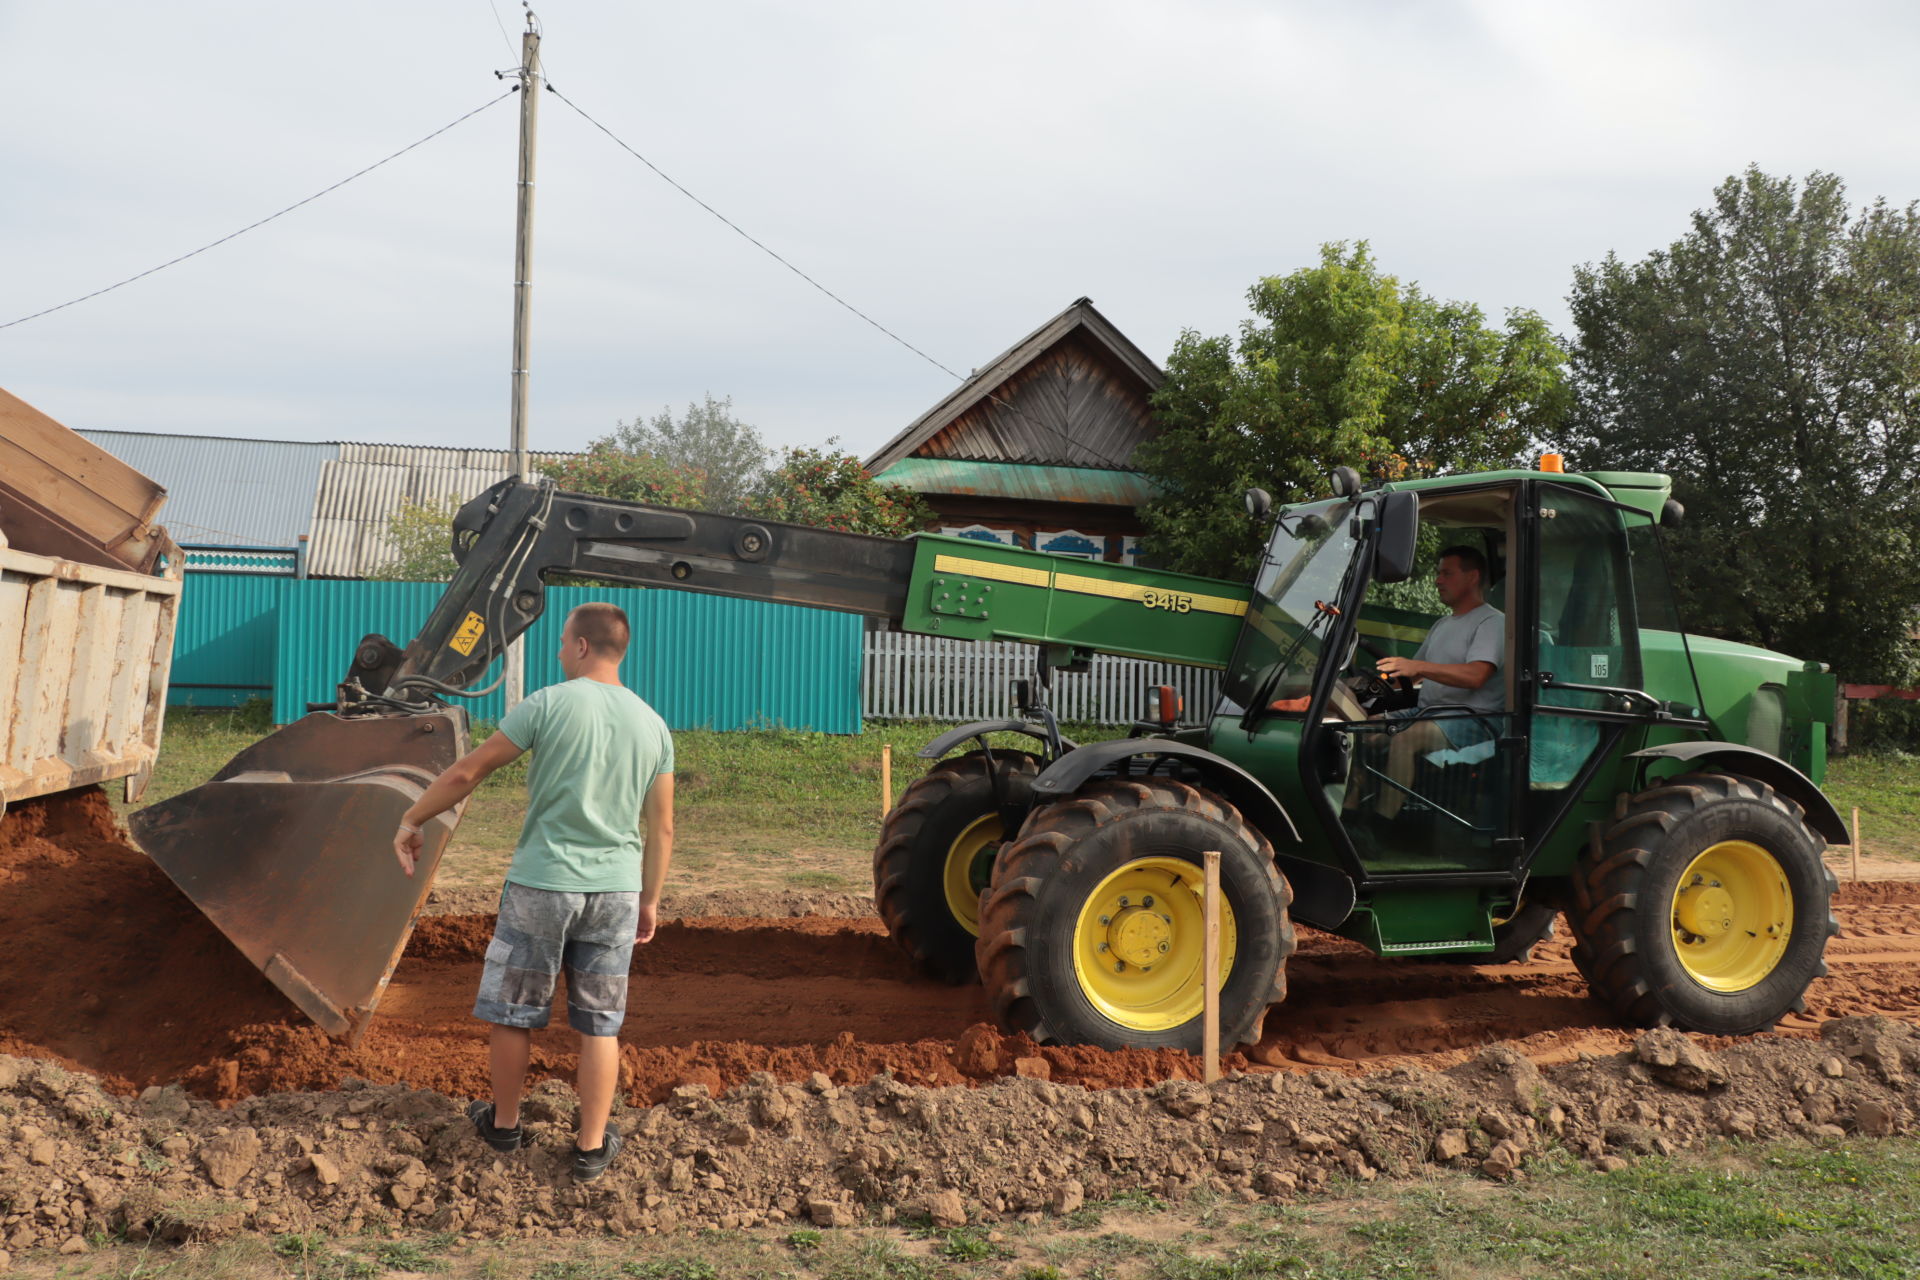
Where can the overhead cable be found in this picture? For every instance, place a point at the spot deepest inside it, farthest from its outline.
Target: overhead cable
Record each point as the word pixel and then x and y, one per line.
pixel 269 218
pixel 662 174
pixel 749 239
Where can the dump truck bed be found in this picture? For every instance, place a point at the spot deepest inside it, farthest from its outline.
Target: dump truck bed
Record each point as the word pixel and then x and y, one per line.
pixel 89 589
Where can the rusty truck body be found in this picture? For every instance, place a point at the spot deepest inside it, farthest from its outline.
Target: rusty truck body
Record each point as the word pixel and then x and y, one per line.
pixel 89 591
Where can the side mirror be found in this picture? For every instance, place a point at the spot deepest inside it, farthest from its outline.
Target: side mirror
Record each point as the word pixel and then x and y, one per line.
pixel 1259 502
pixel 1396 541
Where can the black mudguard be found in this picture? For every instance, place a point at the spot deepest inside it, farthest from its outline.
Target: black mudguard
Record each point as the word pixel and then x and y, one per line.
pixel 952 738
pixel 1323 896
pixel 1750 762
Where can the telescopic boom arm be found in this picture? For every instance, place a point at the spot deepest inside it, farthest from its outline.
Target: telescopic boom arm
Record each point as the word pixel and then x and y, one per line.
pixel 510 536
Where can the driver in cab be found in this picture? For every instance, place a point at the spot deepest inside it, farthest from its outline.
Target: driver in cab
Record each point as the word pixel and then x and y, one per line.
pixel 1455 669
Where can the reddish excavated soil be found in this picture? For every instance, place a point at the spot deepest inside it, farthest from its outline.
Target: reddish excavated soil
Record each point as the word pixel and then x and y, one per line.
pixel 110 969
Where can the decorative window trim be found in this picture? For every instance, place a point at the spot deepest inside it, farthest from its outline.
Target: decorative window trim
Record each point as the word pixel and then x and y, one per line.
pixel 1044 541
pixel 982 533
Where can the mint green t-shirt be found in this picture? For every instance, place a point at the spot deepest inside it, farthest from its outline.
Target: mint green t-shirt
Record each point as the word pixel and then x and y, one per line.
pixel 596 750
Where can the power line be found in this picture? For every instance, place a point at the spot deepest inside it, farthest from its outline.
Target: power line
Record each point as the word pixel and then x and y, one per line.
pixel 501 23
pixel 618 141
pixel 749 239
pixel 264 221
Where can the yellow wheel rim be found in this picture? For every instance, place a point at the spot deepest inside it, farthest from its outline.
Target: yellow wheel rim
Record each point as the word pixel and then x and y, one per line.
pixel 1732 916
pixel 1139 942
pixel 969 866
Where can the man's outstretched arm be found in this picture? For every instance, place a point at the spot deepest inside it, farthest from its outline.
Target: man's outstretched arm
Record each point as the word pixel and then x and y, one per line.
pixel 448 790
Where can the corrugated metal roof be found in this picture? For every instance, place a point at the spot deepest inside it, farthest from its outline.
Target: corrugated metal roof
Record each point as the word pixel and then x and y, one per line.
pixel 358 493
pixel 433 455
pixel 222 492
pixel 1068 412
pixel 1024 481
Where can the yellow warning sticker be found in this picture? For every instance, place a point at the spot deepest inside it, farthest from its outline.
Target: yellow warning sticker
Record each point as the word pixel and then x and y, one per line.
pixel 468 635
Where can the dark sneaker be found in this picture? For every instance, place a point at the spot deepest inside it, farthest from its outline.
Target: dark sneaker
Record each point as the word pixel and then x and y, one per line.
pixel 588 1165
pixel 481 1113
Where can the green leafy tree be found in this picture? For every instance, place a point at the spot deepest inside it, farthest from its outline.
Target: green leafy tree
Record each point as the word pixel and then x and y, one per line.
pixel 1769 361
pixel 612 472
pixel 727 453
pixel 1342 364
pixel 421 535
pixel 830 489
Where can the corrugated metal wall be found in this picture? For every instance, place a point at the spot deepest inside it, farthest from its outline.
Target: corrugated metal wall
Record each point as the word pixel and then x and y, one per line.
pixel 223 643
pixel 701 661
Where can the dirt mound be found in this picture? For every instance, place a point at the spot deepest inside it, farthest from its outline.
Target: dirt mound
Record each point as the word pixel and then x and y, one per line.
pixel 108 965
pixel 131 983
pixel 1877 891
pixel 77 1160
pixel 796 1067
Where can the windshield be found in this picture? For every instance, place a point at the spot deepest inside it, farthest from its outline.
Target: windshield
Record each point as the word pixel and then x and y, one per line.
pixel 1280 646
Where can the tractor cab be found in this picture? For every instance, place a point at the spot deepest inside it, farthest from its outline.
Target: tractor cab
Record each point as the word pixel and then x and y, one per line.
pixel 1441 795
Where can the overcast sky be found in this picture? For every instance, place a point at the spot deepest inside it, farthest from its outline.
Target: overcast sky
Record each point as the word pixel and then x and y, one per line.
pixel 959 172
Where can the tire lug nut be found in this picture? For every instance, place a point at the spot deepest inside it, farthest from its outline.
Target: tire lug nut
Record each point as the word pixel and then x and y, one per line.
pixel 1163 948
pixel 1103 946
pixel 1123 899
pixel 1119 966
pixel 1106 919
pixel 1147 901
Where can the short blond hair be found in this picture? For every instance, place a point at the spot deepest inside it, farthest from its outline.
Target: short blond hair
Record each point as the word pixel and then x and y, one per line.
pixel 603 626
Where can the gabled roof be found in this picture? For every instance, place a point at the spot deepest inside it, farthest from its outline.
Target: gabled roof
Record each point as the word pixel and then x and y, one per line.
pixel 1030 404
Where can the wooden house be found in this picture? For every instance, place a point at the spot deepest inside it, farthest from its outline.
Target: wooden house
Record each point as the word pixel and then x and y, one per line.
pixel 1036 448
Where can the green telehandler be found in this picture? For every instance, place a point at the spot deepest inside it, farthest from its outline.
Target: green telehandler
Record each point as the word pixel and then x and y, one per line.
pixel 1660 789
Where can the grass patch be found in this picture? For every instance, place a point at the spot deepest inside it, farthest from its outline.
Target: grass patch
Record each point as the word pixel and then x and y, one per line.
pixel 1886 787
pixel 775 809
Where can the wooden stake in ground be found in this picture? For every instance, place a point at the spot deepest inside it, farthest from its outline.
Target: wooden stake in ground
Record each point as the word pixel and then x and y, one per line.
pixel 1856 842
pixel 1210 969
pixel 886 779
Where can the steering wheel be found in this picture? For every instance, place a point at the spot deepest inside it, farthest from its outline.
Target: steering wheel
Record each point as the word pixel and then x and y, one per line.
pixel 1399 684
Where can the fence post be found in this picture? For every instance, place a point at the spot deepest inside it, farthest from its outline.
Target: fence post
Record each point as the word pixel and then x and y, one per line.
pixel 1210 970
pixel 1856 842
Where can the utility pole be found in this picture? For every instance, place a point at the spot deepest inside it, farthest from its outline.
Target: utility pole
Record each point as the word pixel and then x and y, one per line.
pixel 530 79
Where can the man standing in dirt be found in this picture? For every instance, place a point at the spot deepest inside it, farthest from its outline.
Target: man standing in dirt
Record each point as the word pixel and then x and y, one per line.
pixel 585 881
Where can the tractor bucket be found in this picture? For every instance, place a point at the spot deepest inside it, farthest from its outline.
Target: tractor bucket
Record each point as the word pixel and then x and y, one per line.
pixel 289 851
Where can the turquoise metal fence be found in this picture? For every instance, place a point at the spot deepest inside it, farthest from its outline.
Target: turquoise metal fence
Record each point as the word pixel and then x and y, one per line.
pixel 701 661
pixel 223 639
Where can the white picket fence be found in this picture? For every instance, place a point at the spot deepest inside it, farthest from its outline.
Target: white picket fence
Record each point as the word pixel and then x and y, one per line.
pixel 912 677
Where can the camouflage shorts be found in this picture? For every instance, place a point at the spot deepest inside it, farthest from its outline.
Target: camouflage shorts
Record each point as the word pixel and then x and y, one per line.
pixel 540 932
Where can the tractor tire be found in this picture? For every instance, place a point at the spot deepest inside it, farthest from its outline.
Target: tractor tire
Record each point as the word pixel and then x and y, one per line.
pixel 1515 937
pixel 935 853
pixel 1705 906
pixel 1092 931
